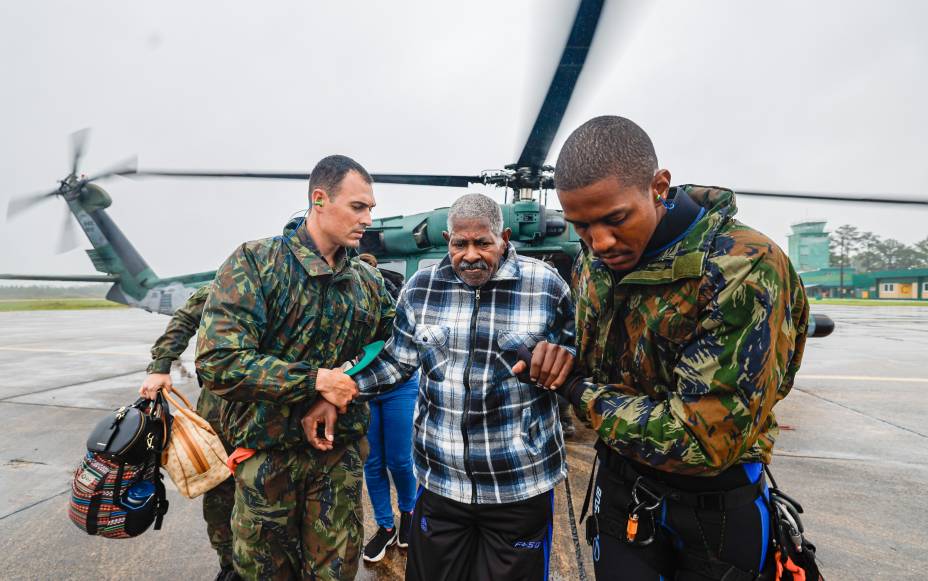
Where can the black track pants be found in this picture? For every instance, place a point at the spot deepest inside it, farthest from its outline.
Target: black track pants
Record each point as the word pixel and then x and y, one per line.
pixel 476 542
pixel 738 536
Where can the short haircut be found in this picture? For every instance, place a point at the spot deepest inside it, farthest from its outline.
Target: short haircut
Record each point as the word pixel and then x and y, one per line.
pixel 603 147
pixel 330 171
pixel 471 206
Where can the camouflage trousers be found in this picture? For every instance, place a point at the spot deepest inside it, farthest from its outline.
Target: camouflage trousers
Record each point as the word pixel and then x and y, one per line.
pixel 298 514
pixel 217 512
pixel 218 502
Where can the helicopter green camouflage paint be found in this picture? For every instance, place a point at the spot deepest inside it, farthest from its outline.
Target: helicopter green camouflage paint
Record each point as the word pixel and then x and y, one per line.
pixel 403 244
pixel 135 283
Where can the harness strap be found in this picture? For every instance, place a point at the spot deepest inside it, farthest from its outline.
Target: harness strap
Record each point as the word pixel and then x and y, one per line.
pixel 713 568
pixel 652 555
pixel 715 500
pixel 589 489
pixel 581 570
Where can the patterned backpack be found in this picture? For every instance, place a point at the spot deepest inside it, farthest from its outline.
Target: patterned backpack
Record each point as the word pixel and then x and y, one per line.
pixel 117 491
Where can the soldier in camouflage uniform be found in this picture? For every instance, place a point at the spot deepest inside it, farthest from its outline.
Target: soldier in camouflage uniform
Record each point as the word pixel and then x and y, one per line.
pixel 282 315
pixel 217 503
pixel 690 328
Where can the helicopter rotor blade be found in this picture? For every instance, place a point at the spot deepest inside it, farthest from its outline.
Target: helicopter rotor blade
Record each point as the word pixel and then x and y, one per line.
pixel 126 167
pixel 20 204
pixel 409 179
pixel 448 181
pixel 67 239
pixel 78 145
pixel 562 85
pixel 866 199
pixel 261 175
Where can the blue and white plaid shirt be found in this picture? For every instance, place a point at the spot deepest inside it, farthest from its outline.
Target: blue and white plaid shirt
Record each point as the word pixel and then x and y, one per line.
pixel 481 435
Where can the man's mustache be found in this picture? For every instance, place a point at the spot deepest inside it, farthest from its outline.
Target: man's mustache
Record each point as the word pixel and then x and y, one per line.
pixel 478 265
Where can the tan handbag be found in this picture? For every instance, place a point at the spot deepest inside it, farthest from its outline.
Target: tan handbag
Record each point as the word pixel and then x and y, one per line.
pixel 195 457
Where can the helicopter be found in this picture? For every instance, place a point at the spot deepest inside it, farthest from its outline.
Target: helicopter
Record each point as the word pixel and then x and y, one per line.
pixel 402 244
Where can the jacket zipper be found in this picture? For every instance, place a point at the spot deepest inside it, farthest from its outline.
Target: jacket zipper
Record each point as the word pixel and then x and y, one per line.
pixel 619 315
pixel 466 411
pixel 325 296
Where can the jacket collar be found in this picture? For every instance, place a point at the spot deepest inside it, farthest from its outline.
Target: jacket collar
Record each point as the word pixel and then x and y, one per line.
pixel 687 257
pixel 301 244
pixel 508 269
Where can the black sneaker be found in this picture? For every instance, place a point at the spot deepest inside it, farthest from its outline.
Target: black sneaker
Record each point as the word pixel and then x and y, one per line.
pixel 376 548
pixel 405 527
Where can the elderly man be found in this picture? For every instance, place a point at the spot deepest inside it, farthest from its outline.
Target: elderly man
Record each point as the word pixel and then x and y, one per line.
pixel 282 313
pixel 691 327
pixel 488 447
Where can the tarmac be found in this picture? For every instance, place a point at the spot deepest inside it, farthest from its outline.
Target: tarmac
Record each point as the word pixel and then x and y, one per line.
pixel 853 449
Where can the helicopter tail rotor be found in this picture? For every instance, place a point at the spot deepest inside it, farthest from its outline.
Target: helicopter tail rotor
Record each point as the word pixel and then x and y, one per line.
pixel 72 184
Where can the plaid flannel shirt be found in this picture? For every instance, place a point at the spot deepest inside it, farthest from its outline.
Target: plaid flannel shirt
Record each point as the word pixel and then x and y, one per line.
pixel 481 436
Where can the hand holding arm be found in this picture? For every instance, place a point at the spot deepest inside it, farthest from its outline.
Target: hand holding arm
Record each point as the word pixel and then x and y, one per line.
pixel 336 386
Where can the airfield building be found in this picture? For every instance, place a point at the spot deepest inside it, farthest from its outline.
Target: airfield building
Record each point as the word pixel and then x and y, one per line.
pixel 909 283
pixel 808 246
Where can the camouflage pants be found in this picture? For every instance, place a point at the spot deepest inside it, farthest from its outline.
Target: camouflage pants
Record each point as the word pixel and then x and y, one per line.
pixel 218 502
pixel 298 514
pixel 217 512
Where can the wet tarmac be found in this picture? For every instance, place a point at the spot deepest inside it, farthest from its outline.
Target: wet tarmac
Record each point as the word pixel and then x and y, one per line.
pixel 853 450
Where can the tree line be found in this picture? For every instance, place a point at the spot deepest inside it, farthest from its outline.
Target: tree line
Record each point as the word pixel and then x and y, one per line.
pixel 92 291
pixel 868 252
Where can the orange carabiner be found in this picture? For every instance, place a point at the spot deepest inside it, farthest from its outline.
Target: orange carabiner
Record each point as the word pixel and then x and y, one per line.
pixel 631 529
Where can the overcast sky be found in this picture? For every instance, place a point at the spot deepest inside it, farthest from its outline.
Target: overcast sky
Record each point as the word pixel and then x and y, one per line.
pixel 810 96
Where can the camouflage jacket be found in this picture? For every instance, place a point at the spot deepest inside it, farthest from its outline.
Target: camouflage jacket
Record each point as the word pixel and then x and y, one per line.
pixel 172 344
pixel 275 314
pixel 687 354
pixel 184 323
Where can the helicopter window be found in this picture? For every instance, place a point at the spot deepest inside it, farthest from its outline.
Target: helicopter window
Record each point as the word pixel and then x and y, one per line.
pixel 398 266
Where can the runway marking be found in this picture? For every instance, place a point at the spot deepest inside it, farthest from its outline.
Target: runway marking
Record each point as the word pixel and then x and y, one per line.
pixel 9 397
pixel 36 503
pixel 70 351
pixel 865 378
pixel 856 411
pixel 868 459
pixel 56 405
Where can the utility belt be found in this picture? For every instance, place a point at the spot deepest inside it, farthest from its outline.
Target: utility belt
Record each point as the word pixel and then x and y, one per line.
pixel 648 493
pixel 631 473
